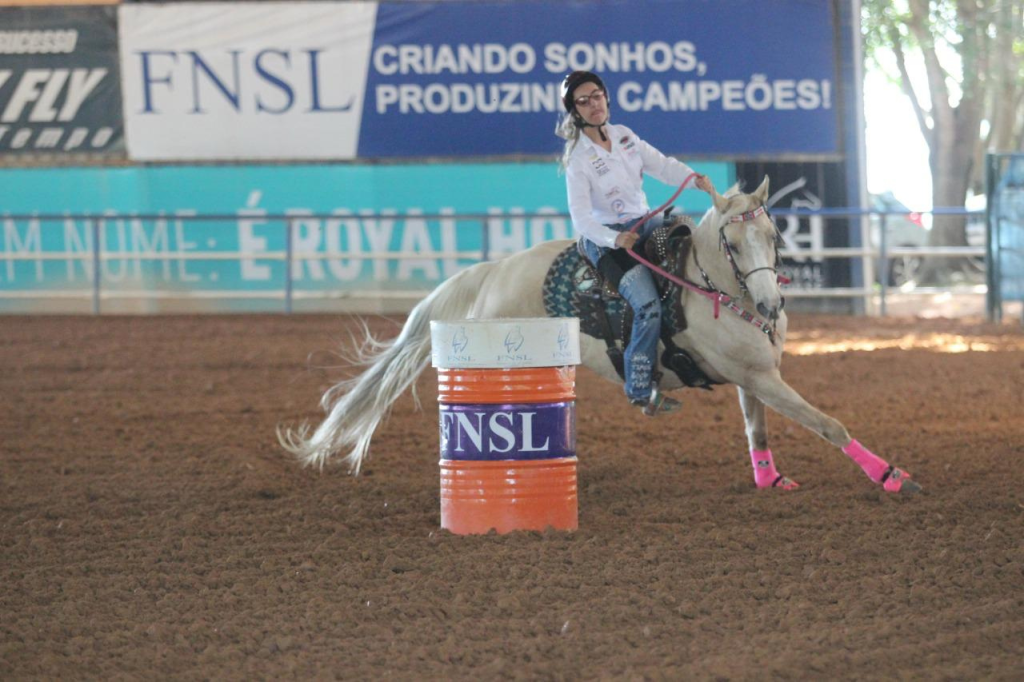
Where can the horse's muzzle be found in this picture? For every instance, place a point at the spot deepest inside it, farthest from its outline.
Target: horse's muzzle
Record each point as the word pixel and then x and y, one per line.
pixel 771 314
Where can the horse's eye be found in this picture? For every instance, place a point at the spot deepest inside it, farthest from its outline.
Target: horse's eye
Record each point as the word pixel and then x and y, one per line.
pixel 734 246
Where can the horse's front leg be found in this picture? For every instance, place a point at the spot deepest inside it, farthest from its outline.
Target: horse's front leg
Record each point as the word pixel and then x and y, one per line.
pixel 780 396
pixel 765 474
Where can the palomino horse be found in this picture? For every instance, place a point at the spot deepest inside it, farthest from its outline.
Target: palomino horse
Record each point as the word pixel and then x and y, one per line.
pixel 734 254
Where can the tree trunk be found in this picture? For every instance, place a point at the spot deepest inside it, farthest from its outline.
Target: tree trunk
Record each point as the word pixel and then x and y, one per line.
pixel 951 161
pixel 985 35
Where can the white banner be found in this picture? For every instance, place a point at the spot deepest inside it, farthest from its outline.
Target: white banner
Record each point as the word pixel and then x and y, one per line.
pixel 244 81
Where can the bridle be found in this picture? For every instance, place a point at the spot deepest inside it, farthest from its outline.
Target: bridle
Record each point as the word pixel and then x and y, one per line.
pixel 710 291
pixel 741 278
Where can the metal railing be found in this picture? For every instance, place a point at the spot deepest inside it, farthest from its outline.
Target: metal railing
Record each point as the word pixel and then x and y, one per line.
pixel 870 256
pixel 876 258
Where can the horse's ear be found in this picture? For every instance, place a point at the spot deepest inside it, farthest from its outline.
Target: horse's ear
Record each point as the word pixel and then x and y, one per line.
pixel 761 194
pixel 721 203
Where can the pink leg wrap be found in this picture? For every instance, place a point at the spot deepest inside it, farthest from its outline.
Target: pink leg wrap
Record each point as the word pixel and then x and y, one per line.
pixel 873 465
pixel 764 468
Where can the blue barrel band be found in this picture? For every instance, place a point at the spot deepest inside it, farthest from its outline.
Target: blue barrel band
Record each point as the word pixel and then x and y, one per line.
pixel 521 431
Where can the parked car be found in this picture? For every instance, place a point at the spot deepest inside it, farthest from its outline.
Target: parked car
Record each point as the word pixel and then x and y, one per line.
pixel 976 222
pixel 904 228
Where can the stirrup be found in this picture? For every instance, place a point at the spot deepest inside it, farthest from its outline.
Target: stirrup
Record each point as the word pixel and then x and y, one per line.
pixel 659 403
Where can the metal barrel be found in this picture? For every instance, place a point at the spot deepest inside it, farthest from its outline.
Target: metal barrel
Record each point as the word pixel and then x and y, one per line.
pixel 507 421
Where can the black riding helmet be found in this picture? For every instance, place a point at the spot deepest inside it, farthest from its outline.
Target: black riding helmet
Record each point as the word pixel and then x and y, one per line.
pixel 569 85
pixel 575 80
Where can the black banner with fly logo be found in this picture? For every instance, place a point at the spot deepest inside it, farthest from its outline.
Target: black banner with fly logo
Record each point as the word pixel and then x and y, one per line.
pixel 60 91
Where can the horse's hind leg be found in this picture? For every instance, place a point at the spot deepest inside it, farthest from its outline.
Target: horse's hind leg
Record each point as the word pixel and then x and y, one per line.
pixel 780 396
pixel 765 474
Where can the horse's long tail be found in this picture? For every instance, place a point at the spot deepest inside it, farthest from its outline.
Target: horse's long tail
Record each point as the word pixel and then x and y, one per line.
pixel 355 407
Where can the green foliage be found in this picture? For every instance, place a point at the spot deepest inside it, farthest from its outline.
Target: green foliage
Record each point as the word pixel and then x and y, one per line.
pixel 970 46
pixel 881 22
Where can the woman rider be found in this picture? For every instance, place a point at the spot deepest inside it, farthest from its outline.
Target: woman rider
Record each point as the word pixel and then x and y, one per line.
pixel 604 166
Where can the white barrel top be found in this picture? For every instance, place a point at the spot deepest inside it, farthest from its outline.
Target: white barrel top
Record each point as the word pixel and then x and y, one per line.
pixel 506 343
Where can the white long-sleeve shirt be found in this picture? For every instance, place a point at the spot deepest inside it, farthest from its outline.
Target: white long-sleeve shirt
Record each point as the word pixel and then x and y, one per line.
pixel 607 187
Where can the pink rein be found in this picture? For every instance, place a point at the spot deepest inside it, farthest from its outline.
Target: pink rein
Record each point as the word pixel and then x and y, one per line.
pixel 716 297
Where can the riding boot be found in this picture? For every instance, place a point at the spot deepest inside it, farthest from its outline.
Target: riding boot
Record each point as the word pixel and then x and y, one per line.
pixel 659 403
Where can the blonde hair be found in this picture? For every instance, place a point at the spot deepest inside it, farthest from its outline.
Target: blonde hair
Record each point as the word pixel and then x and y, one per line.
pixel 568 130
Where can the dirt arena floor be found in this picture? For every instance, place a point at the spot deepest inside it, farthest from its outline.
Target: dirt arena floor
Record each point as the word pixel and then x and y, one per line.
pixel 151 527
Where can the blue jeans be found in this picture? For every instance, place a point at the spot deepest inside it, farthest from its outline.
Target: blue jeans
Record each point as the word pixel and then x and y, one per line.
pixel 637 287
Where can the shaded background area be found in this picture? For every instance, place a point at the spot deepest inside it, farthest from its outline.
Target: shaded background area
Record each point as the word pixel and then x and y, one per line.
pixel 150 526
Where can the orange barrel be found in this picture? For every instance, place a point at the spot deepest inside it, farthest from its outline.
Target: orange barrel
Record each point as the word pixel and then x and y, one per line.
pixel 507 394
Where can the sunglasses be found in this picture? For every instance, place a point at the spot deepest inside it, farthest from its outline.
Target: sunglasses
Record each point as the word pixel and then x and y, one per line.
pixel 596 97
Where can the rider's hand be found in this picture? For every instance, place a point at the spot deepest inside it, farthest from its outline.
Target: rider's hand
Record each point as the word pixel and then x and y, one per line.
pixel 704 182
pixel 626 240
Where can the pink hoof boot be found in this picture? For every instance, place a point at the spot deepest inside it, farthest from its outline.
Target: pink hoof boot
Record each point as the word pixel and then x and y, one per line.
pixel 893 480
pixel 896 480
pixel 765 474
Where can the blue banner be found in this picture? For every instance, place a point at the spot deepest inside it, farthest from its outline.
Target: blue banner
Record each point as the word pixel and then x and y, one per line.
pixel 728 78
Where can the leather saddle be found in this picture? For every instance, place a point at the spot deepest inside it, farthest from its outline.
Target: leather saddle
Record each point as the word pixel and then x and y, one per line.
pixel 574 287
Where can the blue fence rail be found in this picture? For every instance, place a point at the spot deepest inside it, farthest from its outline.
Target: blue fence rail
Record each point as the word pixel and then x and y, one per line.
pixel 246 257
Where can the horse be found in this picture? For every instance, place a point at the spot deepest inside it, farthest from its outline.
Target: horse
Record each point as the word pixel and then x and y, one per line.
pixel 734 253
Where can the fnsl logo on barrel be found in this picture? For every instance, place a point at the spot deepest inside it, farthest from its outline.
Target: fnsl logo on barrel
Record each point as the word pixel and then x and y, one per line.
pixel 492 432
